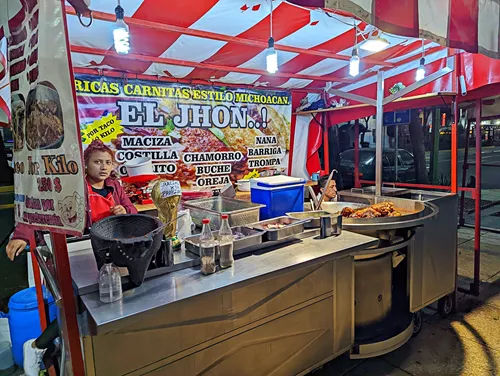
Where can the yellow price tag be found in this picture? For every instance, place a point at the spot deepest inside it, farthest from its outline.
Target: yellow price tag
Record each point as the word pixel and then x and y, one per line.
pixel 104 129
pixel 251 175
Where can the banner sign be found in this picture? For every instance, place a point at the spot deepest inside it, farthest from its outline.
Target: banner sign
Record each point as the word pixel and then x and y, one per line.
pixel 48 175
pixel 202 136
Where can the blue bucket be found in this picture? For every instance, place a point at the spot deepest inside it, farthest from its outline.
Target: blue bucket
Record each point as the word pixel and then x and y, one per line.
pixel 24 319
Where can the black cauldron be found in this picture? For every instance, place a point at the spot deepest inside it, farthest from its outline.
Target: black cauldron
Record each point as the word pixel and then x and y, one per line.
pixel 132 240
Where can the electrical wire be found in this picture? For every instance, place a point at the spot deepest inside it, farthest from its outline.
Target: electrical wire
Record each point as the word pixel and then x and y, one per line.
pixel 271 18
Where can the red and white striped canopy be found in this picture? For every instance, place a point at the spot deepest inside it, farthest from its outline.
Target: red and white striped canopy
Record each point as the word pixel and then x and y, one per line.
pixel 471 25
pixel 224 41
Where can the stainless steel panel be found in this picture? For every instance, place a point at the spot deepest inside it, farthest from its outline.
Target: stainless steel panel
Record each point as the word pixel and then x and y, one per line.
pixel 373 289
pixel 435 252
pixel 343 304
pixel 158 293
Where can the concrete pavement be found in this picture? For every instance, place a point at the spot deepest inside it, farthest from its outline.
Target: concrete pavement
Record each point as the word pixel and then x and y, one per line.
pixel 466 343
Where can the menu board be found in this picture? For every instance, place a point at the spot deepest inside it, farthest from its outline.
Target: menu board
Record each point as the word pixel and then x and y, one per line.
pixel 48 175
pixel 202 136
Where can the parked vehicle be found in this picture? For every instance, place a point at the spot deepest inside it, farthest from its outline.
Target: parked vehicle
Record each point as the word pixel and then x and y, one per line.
pixel 405 167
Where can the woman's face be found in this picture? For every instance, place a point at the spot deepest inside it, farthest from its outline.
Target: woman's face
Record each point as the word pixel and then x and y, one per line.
pixel 99 166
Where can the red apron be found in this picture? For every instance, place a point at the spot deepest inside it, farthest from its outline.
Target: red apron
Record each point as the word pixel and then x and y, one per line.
pixel 99 206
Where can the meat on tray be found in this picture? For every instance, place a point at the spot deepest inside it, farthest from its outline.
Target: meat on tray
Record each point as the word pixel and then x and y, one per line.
pixel 384 209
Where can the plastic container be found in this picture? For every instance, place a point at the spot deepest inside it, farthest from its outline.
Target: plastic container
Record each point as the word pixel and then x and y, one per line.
pixel 208 248
pixel 279 194
pixel 139 166
pixel 6 360
pixel 226 243
pixel 110 282
pixel 24 320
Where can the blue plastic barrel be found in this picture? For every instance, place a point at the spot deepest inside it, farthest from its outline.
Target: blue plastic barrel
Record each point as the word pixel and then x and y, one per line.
pixel 24 320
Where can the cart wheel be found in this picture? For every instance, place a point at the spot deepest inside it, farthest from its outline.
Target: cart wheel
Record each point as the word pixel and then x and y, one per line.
pixel 418 322
pixel 445 305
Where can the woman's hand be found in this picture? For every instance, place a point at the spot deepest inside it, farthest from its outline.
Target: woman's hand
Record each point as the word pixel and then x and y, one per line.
pixel 118 210
pixel 15 247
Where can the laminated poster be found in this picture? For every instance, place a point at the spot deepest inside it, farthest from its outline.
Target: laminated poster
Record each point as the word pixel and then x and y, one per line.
pixel 202 136
pixel 49 190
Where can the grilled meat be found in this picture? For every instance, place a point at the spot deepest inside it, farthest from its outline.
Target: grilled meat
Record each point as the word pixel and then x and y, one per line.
pixel 384 209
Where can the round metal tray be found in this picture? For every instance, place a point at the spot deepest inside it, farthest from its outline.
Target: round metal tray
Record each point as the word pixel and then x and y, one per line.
pixel 419 213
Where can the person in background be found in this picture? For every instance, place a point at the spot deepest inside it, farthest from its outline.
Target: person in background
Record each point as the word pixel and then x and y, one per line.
pixel 330 191
pixel 106 197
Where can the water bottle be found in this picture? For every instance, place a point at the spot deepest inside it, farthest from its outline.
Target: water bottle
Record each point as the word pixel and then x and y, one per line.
pixel 207 249
pixel 226 241
pixel 110 281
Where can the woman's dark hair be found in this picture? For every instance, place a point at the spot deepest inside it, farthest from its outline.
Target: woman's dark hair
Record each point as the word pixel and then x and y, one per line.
pixel 96 146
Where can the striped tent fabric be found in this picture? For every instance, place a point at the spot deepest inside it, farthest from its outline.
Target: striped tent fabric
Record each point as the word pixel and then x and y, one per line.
pixel 229 41
pixel 471 25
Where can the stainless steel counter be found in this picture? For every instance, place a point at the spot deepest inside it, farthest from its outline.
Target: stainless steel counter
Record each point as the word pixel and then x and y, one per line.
pixel 157 293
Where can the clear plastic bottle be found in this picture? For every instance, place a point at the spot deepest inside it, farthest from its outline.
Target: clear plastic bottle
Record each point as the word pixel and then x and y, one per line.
pixel 207 249
pixel 110 282
pixel 226 245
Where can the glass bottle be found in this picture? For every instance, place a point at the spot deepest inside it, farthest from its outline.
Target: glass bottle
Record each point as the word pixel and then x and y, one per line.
pixel 226 241
pixel 207 249
pixel 110 281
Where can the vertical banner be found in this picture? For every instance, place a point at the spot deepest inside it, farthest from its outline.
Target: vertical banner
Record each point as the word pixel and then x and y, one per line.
pixel 4 81
pixel 47 153
pixel 202 136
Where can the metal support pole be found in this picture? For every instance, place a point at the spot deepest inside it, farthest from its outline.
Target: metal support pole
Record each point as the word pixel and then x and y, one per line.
pixel 465 167
pixel 38 284
pixel 436 123
pixel 326 146
pixel 357 184
pixel 454 147
pixel 378 133
pixel 477 216
pixel 396 152
pixel 69 323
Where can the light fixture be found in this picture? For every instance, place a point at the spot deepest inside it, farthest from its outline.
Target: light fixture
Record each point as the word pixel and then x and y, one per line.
pixel 420 75
pixel 420 71
pixel 374 43
pixel 121 35
pixel 271 57
pixel 354 62
pixel 271 53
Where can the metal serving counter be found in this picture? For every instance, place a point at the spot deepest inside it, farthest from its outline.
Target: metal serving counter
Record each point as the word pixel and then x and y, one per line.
pixel 285 310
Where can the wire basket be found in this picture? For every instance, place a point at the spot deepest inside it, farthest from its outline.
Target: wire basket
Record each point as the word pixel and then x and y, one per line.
pixel 240 212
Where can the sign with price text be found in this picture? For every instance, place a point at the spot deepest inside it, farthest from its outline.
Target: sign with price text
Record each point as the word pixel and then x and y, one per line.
pixel 49 189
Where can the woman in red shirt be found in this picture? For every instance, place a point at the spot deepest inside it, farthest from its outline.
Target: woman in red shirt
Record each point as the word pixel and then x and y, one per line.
pixel 106 197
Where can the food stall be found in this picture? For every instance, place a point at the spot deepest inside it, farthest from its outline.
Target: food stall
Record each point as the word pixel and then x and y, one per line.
pixel 192 98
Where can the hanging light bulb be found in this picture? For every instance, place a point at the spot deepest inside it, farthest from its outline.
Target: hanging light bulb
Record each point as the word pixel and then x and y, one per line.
pixel 271 54
pixel 374 44
pixel 420 71
pixel 271 57
pixel 121 35
pixel 354 62
pixel 420 75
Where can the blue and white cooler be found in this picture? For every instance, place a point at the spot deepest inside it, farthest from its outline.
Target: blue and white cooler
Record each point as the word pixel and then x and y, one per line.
pixel 280 194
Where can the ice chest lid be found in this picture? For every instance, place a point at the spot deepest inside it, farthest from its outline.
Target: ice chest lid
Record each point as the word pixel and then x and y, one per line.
pixel 26 299
pixel 276 181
